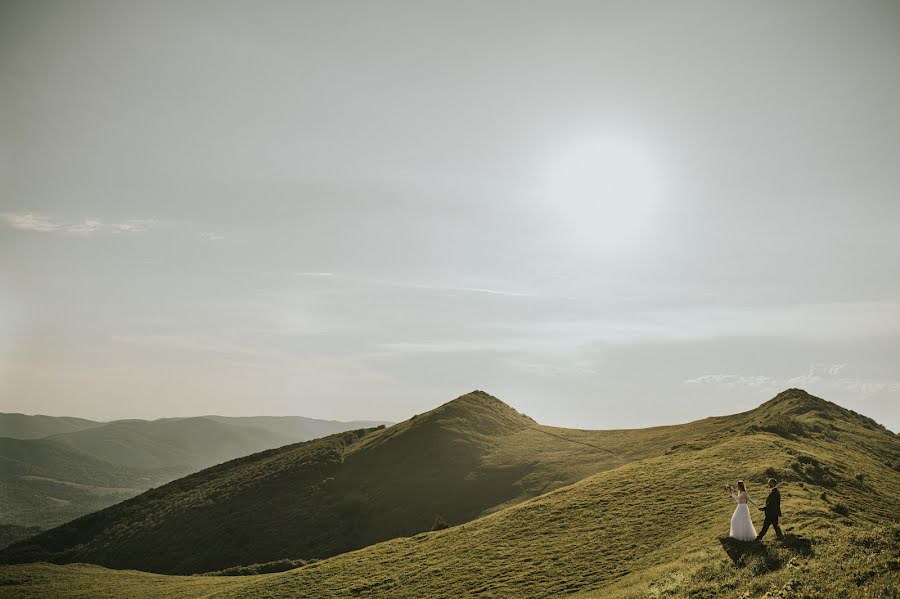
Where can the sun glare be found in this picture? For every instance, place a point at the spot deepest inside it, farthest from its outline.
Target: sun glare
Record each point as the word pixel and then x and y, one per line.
pixel 604 192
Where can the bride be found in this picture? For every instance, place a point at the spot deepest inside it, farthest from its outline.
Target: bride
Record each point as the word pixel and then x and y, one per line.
pixel 741 525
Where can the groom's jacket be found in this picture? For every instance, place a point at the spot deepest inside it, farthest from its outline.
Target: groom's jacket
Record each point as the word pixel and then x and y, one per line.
pixel 773 504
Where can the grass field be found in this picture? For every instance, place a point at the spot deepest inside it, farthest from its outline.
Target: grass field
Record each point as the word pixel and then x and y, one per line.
pixel 652 527
pixel 469 457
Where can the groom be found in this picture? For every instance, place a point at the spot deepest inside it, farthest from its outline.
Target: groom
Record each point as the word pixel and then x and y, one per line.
pixel 772 510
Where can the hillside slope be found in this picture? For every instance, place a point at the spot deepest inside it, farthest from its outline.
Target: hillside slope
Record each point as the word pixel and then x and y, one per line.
pixel 647 528
pixel 83 466
pixel 463 459
pixel 43 483
pixel 192 443
pixel 197 442
pixel 297 428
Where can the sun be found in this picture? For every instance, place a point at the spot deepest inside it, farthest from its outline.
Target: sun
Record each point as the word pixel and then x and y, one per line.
pixel 604 191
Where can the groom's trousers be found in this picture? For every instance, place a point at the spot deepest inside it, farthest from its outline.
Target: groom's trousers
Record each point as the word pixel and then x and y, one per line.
pixel 773 522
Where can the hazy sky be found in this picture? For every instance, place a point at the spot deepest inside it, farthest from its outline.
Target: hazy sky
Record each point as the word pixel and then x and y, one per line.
pixel 607 214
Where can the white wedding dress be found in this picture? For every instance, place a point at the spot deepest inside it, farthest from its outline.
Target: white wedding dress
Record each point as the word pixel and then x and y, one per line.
pixel 741 524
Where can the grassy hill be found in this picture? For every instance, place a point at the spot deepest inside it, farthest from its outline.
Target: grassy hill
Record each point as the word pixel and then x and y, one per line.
pixel 24 426
pixel 466 458
pixel 192 443
pixel 297 428
pixel 84 466
pixel 44 484
pixel 650 527
pixel 10 533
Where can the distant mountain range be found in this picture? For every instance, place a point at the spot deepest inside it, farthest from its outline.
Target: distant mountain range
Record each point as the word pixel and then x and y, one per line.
pixel 54 469
pixel 23 426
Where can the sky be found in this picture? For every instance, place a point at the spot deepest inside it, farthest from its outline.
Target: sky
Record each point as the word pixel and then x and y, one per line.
pixel 607 214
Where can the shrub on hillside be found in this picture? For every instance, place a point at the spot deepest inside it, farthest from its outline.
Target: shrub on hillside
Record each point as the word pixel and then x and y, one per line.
pixel 841 508
pixel 810 470
pixel 280 565
pixel 783 426
pixel 439 523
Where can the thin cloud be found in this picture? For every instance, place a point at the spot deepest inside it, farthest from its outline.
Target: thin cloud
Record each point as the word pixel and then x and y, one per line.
pixel 30 221
pixel 133 226
pixel 212 236
pixel 818 374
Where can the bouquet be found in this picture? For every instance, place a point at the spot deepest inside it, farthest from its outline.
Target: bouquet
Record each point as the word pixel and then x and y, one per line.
pixel 729 488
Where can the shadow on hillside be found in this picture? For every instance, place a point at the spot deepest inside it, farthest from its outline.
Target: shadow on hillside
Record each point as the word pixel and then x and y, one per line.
pixel 766 555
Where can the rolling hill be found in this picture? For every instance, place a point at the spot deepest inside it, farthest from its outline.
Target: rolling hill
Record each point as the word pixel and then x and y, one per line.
pixel 638 527
pixel 24 426
pixel 92 465
pixel 464 459
pixel 45 484
pixel 191 443
pixel 298 428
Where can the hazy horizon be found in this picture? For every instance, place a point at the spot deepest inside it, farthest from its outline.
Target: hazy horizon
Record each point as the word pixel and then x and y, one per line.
pixel 608 215
pixel 373 419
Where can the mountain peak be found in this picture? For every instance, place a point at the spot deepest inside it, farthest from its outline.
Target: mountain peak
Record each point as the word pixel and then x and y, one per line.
pixel 479 412
pixel 795 402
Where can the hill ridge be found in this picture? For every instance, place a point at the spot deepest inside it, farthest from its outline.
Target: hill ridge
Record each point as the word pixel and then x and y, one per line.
pixel 649 525
pixel 466 458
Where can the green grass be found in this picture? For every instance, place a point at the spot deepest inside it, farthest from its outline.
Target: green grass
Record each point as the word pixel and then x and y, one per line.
pixel 651 526
pixel 462 460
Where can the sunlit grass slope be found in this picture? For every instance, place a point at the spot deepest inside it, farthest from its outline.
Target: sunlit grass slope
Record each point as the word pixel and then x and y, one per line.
pixel 651 527
pixel 468 457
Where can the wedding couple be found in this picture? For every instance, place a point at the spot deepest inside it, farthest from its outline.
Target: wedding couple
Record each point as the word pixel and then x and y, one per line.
pixel 742 525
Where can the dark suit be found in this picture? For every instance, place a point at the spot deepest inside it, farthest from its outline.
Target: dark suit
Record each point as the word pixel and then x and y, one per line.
pixel 772 510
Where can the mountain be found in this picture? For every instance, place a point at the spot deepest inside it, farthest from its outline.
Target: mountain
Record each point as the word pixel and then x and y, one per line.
pixel 193 443
pixel 93 465
pixel 23 426
pixel 462 460
pixel 10 533
pixel 639 526
pixel 45 483
pixel 298 428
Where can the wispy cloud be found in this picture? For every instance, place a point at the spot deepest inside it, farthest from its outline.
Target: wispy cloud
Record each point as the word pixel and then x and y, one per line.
pixel 133 226
pixel 30 221
pixel 212 236
pixel 818 374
